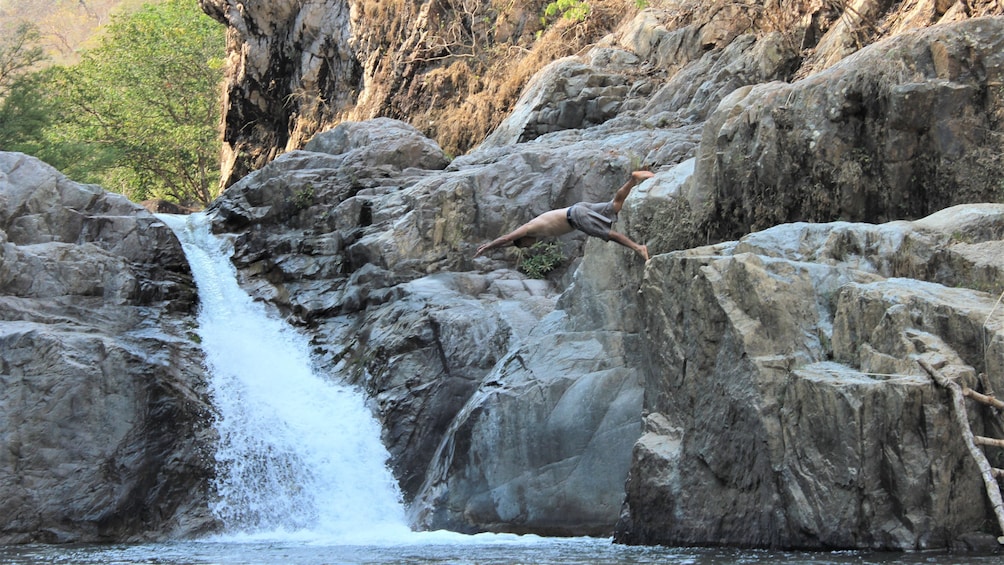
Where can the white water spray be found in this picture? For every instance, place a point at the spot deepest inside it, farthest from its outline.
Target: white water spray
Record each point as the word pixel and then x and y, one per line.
pixel 298 454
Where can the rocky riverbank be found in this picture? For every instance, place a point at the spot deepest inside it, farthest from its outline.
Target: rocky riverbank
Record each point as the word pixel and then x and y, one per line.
pixel 757 383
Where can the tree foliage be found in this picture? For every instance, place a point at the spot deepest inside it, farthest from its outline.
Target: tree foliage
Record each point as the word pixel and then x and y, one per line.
pixel 138 114
pixel 24 115
pixel 23 112
pixel 146 102
pixel 575 10
pixel 19 52
pixel 65 26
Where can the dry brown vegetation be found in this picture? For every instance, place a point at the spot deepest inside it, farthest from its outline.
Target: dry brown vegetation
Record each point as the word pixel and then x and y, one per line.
pixel 463 75
pixel 458 79
pixel 66 26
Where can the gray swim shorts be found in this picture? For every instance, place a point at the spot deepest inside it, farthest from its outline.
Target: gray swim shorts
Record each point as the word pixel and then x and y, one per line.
pixel 593 219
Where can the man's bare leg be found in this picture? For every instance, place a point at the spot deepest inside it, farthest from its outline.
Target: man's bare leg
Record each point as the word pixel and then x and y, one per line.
pixel 622 192
pixel 629 243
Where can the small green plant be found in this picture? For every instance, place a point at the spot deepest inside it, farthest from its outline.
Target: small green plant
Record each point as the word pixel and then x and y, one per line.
pixel 575 10
pixel 540 258
pixel 961 237
pixel 304 197
pixel 636 163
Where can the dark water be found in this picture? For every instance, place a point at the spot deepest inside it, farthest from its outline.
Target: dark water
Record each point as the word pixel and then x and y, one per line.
pixel 484 551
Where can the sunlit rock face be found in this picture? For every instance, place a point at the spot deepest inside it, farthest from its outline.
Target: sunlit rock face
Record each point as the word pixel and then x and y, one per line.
pixel 784 378
pixel 517 405
pixel 290 68
pixel 103 411
pixel 900 129
pixel 454 69
pixel 756 383
pixel 295 68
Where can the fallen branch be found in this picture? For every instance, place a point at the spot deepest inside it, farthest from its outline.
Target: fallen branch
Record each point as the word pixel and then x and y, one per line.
pixel 962 419
pixel 982 398
pixel 993 442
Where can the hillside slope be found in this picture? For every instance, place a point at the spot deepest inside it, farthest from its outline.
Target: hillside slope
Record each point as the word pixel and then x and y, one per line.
pixel 454 69
pixel 66 25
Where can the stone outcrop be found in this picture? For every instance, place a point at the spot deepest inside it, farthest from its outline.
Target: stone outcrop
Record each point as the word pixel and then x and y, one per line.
pixel 103 409
pixel 898 130
pixel 290 68
pixel 453 68
pixel 756 384
pixel 513 405
pixel 783 377
pixel 296 68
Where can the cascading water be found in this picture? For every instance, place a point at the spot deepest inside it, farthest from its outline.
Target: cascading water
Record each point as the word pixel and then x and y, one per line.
pixel 297 452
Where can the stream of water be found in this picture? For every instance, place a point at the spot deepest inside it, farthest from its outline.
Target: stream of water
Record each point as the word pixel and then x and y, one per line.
pixel 302 474
pixel 298 452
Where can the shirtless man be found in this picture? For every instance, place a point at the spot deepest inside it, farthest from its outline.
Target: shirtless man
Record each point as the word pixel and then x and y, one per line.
pixel 591 219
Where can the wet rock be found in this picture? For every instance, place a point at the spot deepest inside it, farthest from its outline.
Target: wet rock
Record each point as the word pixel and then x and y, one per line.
pixel 103 409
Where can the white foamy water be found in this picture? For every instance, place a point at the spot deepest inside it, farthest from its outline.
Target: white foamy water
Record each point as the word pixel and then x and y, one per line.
pixel 299 454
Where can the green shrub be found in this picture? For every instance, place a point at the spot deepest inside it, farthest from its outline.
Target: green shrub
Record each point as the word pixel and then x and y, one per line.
pixel 575 10
pixel 540 259
pixel 303 197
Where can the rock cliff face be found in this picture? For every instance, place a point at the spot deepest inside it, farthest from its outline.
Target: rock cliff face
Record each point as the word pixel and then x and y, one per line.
pixel 784 379
pixel 757 383
pixel 454 69
pixel 297 67
pixel 785 404
pixel 103 411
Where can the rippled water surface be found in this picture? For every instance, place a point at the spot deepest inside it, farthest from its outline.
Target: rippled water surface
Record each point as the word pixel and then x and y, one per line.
pixel 451 549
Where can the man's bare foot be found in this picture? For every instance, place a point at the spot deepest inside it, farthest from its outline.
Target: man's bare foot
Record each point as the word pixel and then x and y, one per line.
pixel 639 176
pixel 643 251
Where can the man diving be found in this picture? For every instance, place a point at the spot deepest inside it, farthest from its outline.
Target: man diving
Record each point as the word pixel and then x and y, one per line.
pixel 594 219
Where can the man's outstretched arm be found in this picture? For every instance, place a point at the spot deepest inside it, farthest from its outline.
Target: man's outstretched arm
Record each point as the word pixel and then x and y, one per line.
pixel 503 241
pixel 549 224
pixel 500 242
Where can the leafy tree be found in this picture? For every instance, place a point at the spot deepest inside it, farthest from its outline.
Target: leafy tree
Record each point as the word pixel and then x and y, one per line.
pixel 19 51
pixel 140 111
pixel 575 10
pixel 24 115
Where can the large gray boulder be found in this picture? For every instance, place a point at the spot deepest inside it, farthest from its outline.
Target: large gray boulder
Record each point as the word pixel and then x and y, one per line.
pixel 103 410
pixel 900 129
pixel 787 406
pixel 543 445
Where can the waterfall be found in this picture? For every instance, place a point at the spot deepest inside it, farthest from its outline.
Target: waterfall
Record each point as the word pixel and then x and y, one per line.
pixel 297 452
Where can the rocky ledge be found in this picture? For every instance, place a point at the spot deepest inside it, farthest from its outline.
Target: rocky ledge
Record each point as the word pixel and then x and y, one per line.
pixel 758 383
